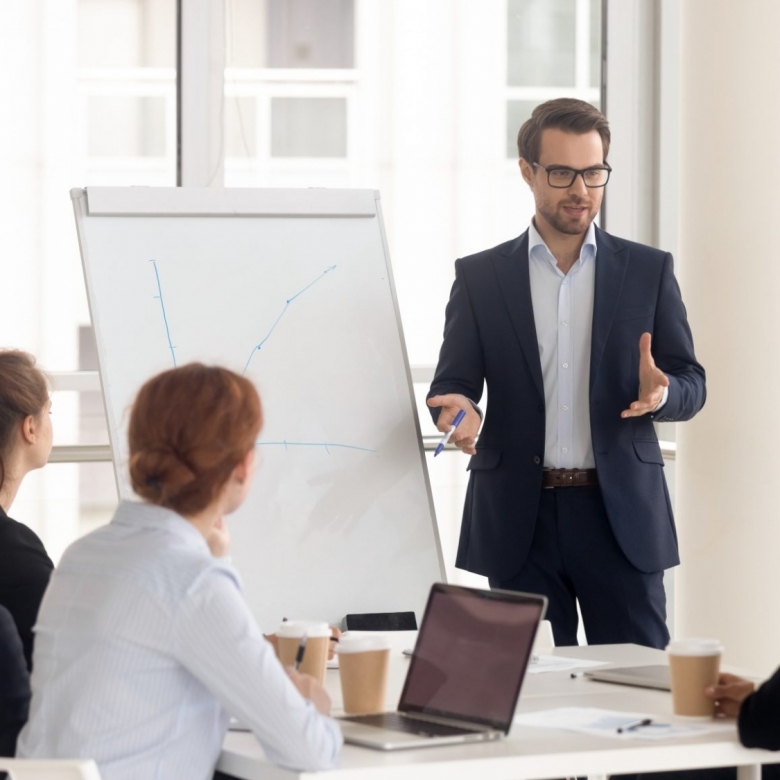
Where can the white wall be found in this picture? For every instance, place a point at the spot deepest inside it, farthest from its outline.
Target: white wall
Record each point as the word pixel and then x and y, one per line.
pixel 727 462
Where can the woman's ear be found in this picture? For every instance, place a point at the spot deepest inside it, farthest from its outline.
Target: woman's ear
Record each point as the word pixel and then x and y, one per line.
pixel 245 468
pixel 29 429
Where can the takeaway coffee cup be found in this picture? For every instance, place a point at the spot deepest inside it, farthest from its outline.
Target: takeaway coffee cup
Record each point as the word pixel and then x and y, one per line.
pixel 693 665
pixel 363 662
pixel 315 658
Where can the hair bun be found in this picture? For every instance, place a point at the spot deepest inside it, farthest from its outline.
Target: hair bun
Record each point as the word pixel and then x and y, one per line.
pixel 189 428
pixel 159 473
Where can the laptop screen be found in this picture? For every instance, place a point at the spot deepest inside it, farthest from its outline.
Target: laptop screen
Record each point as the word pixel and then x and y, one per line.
pixel 471 654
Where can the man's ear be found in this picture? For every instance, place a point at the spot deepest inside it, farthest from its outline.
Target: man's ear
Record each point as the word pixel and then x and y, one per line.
pixel 526 171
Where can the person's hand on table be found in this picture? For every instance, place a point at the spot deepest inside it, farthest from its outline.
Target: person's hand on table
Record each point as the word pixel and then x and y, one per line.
pixel 465 435
pixel 310 689
pixel 729 694
pixel 652 382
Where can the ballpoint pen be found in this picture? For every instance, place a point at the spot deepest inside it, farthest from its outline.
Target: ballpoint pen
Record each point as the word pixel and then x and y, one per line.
pixel 637 724
pixel 455 423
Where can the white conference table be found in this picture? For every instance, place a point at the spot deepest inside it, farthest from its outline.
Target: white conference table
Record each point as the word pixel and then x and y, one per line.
pixel 526 753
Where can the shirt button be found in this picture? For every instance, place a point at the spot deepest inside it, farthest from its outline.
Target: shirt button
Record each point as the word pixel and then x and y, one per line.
pixel 565 449
pixel 565 408
pixel 565 324
pixel 565 365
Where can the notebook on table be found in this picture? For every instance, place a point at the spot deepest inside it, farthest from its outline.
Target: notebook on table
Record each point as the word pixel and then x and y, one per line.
pixel 465 675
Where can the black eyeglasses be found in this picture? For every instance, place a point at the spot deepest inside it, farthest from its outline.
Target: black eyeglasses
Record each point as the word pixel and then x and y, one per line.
pixel 562 178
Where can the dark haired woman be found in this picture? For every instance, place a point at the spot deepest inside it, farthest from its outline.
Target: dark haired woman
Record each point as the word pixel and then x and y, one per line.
pixel 145 644
pixel 25 444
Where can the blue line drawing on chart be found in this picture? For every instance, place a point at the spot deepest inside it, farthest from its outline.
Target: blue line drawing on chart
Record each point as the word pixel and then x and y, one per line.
pixel 326 444
pixel 259 346
pixel 165 316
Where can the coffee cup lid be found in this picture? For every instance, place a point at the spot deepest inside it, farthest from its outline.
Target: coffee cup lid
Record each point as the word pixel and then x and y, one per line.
pixel 297 628
pixel 362 644
pixel 694 647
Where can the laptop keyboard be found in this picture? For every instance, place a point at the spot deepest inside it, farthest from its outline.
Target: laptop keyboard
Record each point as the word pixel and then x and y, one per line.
pixel 395 721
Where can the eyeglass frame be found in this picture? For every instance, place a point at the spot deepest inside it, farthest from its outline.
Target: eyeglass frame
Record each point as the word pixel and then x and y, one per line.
pixel 582 172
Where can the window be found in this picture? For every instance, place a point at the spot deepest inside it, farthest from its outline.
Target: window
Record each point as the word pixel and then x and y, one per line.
pixel 93 98
pixel 289 85
pixel 553 50
pixel 310 34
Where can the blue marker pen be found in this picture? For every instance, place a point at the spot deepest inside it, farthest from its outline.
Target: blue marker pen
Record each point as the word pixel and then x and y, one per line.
pixel 455 423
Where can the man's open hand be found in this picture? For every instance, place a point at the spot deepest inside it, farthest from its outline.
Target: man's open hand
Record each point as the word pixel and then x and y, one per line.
pixel 465 434
pixel 652 382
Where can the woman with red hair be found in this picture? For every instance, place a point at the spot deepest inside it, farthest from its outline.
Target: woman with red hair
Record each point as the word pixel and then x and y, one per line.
pixel 144 643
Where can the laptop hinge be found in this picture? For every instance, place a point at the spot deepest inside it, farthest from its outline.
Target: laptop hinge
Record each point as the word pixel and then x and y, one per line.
pixel 455 722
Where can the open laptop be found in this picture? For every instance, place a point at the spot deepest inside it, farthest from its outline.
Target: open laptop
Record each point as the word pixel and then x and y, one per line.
pixel 464 678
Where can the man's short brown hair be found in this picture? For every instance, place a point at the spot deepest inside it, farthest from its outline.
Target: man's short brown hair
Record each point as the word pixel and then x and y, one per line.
pixel 567 114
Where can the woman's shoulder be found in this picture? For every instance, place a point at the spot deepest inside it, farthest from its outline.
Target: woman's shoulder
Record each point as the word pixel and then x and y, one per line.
pixel 23 558
pixel 152 551
pixel 16 538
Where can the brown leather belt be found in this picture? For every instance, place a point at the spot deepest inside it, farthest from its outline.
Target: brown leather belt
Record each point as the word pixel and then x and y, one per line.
pixel 553 478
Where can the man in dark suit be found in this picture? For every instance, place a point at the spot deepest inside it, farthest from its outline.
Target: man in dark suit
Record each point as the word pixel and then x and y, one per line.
pixel 583 341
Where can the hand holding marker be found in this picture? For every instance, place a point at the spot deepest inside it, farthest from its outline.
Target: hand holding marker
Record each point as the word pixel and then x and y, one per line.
pixel 455 423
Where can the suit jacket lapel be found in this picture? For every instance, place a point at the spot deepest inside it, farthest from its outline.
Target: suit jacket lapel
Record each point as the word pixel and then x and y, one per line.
pixel 514 282
pixel 611 266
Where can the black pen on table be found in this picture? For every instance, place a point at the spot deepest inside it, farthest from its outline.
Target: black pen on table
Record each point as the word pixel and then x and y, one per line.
pixel 301 652
pixel 637 724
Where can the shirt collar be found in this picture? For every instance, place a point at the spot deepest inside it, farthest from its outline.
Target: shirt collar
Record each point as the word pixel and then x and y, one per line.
pixel 535 240
pixel 137 514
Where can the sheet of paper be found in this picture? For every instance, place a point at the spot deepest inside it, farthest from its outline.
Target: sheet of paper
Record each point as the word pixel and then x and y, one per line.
pixel 605 723
pixel 557 663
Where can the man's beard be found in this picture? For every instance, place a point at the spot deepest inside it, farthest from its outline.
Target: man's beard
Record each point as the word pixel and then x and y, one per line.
pixel 562 224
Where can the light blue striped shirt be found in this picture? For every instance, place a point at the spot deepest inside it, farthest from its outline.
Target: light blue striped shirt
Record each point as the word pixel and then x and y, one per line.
pixel 145 646
pixel 563 314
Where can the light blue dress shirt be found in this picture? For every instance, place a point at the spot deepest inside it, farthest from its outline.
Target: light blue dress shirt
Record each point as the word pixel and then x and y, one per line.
pixel 563 315
pixel 145 645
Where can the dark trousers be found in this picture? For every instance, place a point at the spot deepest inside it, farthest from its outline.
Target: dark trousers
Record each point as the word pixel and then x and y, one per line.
pixel 574 557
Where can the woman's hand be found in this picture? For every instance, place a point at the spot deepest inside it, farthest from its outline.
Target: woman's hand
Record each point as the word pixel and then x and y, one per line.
pixel 334 632
pixel 310 689
pixel 729 694
pixel 218 539
pixel 336 635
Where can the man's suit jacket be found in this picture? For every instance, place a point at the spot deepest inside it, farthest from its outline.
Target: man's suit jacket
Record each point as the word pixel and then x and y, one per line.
pixel 490 336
